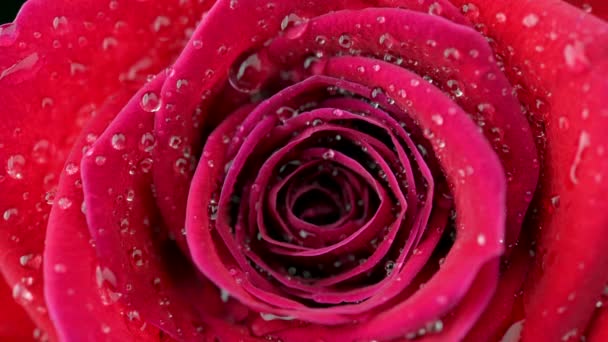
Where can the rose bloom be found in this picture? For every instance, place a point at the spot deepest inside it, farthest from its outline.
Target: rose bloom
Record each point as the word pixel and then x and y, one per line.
pixel 304 170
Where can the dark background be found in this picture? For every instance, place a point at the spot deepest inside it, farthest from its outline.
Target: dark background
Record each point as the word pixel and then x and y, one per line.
pixel 8 10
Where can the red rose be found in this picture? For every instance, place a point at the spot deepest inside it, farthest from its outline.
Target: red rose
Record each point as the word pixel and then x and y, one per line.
pixel 304 171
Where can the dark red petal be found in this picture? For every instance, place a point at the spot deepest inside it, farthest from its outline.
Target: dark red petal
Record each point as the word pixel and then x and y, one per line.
pixel 598 329
pixel 53 51
pixel 564 87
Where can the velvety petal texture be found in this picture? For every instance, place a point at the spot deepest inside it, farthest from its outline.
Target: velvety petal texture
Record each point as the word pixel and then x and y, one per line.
pixel 356 170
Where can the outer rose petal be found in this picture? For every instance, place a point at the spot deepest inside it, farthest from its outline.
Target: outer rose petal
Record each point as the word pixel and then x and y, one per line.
pixel 80 307
pixel 564 86
pixel 52 51
pixel 15 324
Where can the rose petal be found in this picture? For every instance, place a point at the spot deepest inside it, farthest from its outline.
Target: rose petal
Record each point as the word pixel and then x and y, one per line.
pixel 564 87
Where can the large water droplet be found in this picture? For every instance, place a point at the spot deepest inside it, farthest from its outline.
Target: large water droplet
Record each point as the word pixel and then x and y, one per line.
pixel 23 67
pixel 15 165
pixel 150 102
pixel 21 294
pixel 119 141
pixel 293 26
pixel 107 283
pixel 31 261
pixel 41 152
pixel 575 56
pixel 246 74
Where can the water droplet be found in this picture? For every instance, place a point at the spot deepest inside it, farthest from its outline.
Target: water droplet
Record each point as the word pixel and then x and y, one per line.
pixel 294 26
pixel 181 166
pixel 197 43
pixel 329 154
pixel 145 165
pixel 41 152
pixel 137 257
pixel 147 142
pixel 575 56
pixel 15 165
pixel 64 203
pixel 451 54
pixel 60 268
pixel 437 119
pixel 321 40
pixel 345 41
pixel 60 24
pixel 71 168
pixel 150 102
pixel 107 283
pixel 119 141
pixel 272 317
pixel 31 261
pixel 23 65
pixel 175 142
pixel 100 160
pixel 160 22
pixel 583 142
pixel 530 20
pixel 21 294
pixel 481 239
pixel 246 74
pixel 501 17
pixel 224 295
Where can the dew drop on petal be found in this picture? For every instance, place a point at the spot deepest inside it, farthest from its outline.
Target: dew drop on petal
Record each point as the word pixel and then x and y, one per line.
pixel 481 239
pixel 119 141
pixel 246 75
pixel 293 26
pixel 41 152
pixel 530 20
pixel 575 57
pixel 64 203
pixel 150 102
pixel 15 166
pixel 21 294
